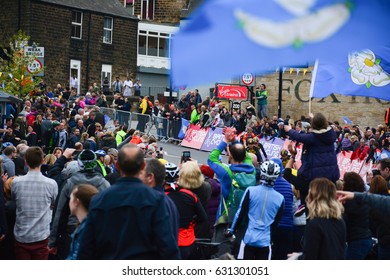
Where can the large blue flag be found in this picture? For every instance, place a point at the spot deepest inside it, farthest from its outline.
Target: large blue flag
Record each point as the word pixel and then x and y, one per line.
pixel 361 73
pixel 224 38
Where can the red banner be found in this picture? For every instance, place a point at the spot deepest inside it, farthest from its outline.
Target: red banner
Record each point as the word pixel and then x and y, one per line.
pixel 345 164
pixel 232 92
pixel 194 137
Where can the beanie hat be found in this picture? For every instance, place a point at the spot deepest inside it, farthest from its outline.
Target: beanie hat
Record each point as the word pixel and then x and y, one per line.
pixel 87 160
pixel 207 171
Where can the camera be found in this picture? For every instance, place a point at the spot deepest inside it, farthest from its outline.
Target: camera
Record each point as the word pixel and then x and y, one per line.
pixel 375 172
pixel 186 156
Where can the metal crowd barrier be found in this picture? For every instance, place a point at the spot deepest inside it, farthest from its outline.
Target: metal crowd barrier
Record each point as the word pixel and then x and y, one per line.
pixel 175 127
pixel 124 117
pixel 164 129
pixel 139 121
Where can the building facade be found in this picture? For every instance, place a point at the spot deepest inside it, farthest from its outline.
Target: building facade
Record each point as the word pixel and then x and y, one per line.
pixel 159 20
pixel 87 40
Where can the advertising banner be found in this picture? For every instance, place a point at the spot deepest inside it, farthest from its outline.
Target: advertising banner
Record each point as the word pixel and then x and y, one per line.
pixel 194 137
pixel 213 138
pixel 272 147
pixel 232 92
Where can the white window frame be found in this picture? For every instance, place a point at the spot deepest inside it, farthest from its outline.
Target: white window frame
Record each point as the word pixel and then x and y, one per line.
pixel 78 24
pixel 158 36
pixel 75 65
pixel 106 68
pixel 108 29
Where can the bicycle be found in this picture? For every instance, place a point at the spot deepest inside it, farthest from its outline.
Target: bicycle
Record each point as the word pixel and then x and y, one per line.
pixel 205 249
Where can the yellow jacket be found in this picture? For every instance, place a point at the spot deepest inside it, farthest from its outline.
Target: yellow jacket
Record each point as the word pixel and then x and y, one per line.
pixel 143 105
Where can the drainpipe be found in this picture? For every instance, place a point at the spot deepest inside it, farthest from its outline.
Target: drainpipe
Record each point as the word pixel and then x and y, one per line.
pixel 88 52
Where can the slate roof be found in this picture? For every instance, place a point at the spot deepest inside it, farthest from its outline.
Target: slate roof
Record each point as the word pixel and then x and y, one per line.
pixel 6 98
pixel 107 7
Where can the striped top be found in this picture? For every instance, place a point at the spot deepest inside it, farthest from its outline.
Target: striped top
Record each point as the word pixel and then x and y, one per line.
pixel 34 195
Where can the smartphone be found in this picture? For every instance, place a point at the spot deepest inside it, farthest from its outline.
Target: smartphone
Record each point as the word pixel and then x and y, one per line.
pixel 186 156
pixel 376 172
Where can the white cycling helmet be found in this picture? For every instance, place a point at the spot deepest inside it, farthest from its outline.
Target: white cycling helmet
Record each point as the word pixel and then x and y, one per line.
pixel 269 171
pixel 171 172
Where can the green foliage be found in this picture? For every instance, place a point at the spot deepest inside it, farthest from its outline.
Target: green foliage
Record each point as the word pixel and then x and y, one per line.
pixel 13 74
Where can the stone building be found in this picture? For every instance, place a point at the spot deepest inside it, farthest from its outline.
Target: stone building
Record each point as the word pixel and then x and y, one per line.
pixel 295 90
pixel 88 39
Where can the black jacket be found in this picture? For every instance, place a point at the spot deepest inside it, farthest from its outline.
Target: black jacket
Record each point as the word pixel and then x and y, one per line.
pixel 128 221
pixel 357 219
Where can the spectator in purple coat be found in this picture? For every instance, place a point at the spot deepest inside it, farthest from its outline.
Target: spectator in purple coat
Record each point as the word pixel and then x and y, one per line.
pixel 212 205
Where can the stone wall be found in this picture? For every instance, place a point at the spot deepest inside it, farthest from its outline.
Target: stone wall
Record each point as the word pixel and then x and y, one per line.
pixel 10 22
pixel 50 26
pixel 295 95
pixel 60 48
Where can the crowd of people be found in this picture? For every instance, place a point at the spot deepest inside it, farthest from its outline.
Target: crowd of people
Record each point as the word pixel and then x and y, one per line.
pixel 73 189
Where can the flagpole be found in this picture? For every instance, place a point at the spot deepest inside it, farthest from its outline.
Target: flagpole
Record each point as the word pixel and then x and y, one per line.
pixel 313 79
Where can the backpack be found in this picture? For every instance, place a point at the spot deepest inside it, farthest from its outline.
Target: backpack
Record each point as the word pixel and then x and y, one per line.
pixel 240 182
pixel 149 107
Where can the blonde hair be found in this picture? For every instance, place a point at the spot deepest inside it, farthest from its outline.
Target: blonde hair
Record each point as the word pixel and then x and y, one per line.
pixel 49 159
pixel 321 200
pixel 190 176
pixel 84 137
pixel 145 138
pixel 137 133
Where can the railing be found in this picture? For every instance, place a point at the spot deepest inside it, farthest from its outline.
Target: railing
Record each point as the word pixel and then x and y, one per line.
pixel 163 129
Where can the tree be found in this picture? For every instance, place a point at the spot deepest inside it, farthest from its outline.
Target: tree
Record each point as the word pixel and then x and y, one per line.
pixel 13 70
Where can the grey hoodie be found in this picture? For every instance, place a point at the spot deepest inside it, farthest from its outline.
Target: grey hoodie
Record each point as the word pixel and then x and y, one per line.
pixel 81 177
pixel 8 166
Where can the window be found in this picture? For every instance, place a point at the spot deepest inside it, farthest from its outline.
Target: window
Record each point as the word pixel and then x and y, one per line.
pixel 142 42
pixel 106 72
pixel 107 30
pixel 147 9
pixel 153 43
pixel 77 23
pixel 163 45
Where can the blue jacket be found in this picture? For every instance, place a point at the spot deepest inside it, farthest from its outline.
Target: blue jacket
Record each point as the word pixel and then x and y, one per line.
pixel 319 158
pixel 264 207
pixel 284 188
pixel 128 221
pixel 225 173
pixel 75 244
